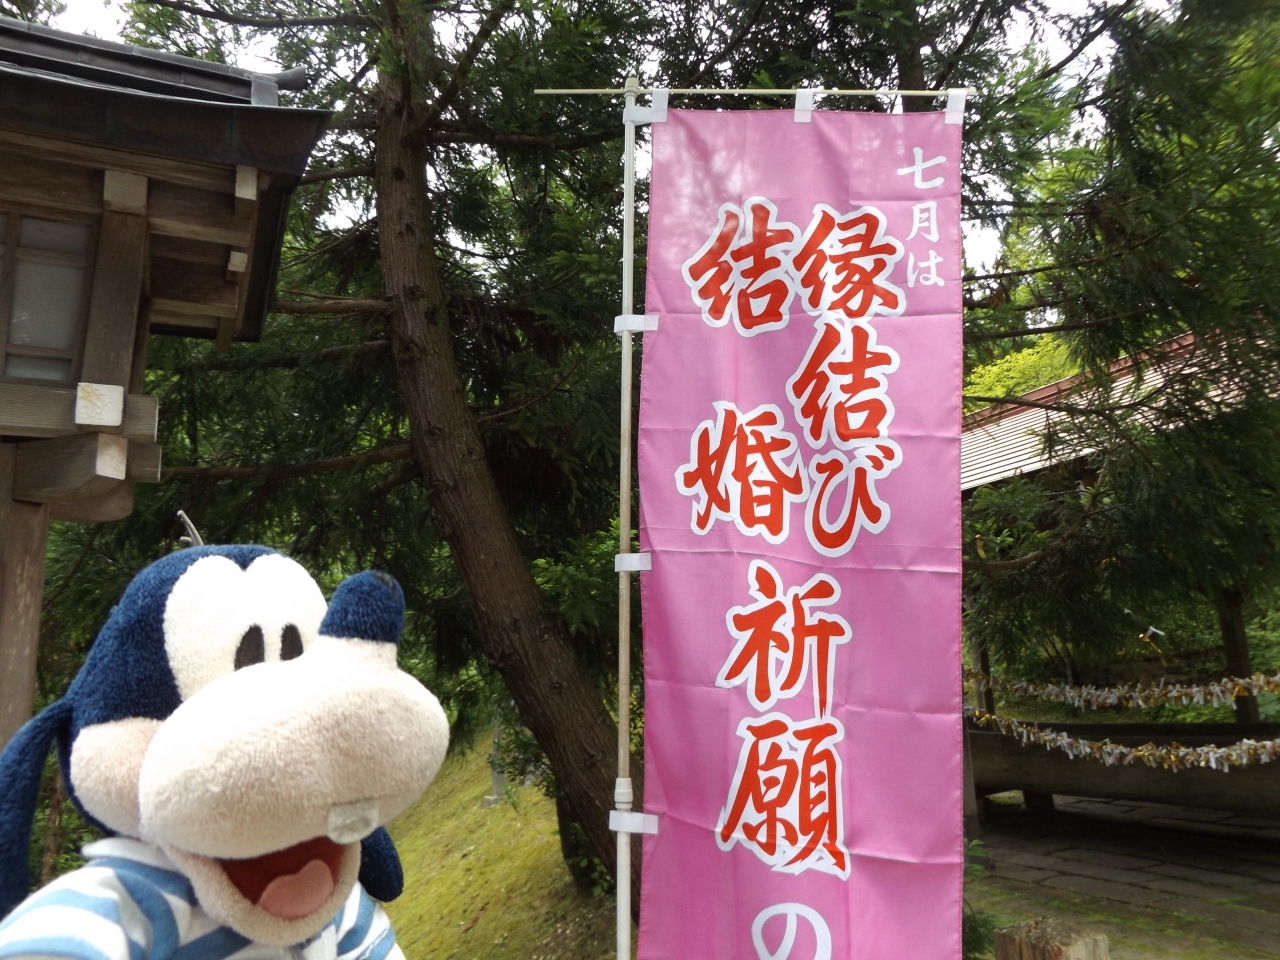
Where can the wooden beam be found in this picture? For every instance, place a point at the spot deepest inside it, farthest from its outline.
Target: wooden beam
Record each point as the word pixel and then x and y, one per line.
pixel 189 323
pixel 196 215
pixel 186 288
pixel 124 192
pixel 113 302
pixel 7 453
pixel 141 418
pixel 69 468
pixel 226 334
pixel 115 504
pixel 94 157
pixel 141 339
pixel 188 251
pixel 246 191
pixel 27 410
pixel 25 537
pixel 47 183
pixel 144 462
pixel 1000 763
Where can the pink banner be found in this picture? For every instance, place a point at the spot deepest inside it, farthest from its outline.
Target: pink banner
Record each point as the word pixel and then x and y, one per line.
pixel 800 493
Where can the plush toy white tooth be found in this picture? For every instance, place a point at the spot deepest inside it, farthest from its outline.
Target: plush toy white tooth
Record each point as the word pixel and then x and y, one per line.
pixel 349 822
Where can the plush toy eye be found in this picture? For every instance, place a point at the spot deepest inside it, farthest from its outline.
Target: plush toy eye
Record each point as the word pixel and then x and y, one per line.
pixel 251 649
pixel 290 642
pixel 220 616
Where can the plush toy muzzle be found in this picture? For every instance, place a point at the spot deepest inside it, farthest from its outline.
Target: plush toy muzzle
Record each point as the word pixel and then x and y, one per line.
pixel 283 736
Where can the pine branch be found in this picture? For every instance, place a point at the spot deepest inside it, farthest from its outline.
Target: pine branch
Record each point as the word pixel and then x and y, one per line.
pixel 1036 331
pixel 332 305
pixel 519 141
pixel 357 124
pixel 1059 407
pixel 1018 563
pixel 292 361
pixel 953 61
pixel 1107 19
pixel 266 23
pixel 500 413
pixel 344 173
pixel 740 34
pixel 463 68
pixel 391 453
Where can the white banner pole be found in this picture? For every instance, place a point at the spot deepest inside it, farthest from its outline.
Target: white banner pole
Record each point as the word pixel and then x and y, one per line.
pixel 622 790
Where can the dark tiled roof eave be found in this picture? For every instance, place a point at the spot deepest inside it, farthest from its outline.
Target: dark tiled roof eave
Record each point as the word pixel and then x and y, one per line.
pixel 278 140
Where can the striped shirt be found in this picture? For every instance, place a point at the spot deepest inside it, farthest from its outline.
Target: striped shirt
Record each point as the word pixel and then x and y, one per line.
pixel 131 903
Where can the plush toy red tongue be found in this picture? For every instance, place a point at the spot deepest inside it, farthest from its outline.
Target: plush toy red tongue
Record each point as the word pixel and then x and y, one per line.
pixel 290 883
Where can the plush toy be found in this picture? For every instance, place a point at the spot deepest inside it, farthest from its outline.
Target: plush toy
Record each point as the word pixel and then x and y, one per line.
pixel 242 747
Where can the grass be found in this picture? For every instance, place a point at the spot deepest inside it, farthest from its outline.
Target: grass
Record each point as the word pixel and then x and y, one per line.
pixel 490 884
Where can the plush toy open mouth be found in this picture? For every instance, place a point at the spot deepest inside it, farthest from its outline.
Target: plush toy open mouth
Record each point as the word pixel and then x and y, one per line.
pixel 290 883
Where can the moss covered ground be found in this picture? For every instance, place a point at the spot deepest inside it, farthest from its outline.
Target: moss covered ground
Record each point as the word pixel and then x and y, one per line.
pixel 490 884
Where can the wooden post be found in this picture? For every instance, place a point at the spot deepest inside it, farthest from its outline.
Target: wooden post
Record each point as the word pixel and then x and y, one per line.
pixel 117 281
pixel 1235 644
pixel 24 534
pixel 972 807
pixel 986 695
pixel 1049 939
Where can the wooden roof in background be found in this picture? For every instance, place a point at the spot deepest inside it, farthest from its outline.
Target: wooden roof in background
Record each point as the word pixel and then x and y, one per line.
pixel 72 106
pixel 1006 440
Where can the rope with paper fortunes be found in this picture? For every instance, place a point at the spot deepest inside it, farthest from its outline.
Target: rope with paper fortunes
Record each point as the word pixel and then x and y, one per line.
pixel 1217 693
pixel 1171 757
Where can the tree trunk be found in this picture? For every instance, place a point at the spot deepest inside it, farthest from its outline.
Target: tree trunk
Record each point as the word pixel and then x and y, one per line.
pixel 557 700
pixel 1230 606
pixel 987 694
pixel 910 60
pixel 53 831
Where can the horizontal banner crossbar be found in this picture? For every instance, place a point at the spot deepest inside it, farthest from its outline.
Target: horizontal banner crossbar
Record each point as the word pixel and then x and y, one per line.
pixel 748 91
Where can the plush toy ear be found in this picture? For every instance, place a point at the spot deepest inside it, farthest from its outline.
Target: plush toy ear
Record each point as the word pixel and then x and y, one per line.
pixel 380 871
pixel 21 768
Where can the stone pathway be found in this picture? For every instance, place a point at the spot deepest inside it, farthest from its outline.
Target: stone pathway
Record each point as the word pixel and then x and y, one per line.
pixel 1161 881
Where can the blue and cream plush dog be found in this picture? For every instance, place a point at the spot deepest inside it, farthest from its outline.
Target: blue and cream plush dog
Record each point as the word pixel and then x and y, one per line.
pixel 242 745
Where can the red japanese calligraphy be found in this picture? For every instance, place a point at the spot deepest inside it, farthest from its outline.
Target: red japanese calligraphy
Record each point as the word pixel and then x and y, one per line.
pixel 741 273
pixel 785 803
pixel 844 261
pixel 861 507
pixel 840 391
pixel 781 636
pixel 744 468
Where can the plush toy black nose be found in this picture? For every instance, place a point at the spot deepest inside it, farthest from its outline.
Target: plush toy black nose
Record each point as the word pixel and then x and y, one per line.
pixel 368 606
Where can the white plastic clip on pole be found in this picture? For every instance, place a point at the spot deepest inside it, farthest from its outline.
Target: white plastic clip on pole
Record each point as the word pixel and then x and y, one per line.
pixel 656 112
pixel 635 322
pixel 804 106
pixel 955 106
pixel 628 821
pixel 632 562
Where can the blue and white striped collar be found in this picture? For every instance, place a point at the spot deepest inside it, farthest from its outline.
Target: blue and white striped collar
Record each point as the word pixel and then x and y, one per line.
pixel 127 848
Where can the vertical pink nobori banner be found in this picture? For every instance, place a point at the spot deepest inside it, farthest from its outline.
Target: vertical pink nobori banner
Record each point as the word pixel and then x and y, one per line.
pixel 799 454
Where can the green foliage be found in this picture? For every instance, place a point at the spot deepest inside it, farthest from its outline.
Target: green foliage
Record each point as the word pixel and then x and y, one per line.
pixel 977 926
pixel 32 11
pixel 491 883
pixel 1152 222
pixel 1046 361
